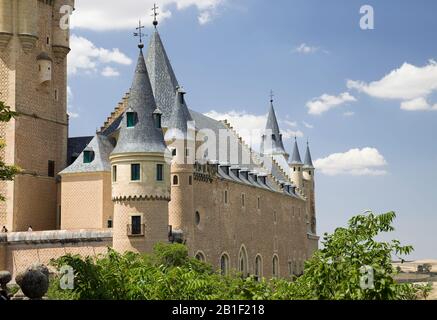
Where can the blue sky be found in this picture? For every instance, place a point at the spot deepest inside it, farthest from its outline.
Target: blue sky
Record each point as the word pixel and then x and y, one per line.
pixel 374 143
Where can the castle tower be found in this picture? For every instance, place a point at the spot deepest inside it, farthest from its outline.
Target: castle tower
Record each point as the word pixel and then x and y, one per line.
pixel 308 175
pixel 180 136
pixel 34 43
pixel 272 143
pixel 296 167
pixel 140 171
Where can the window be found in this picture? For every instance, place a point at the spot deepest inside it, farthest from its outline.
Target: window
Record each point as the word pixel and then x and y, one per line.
pixel 56 95
pixel 175 180
pixel 51 168
pixel 110 224
pixel 158 117
pixel 131 119
pixel 243 200
pixel 190 180
pixel 159 172
pixel 242 264
pixel 135 172
pixel 226 196
pixel 294 169
pixel 48 40
pixel 275 217
pixel 187 152
pixel 114 174
pixel 224 264
pixel 275 267
pixel 258 268
pixel 197 218
pixel 200 256
pixel 258 205
pixel 88 156
pixel 174 152
pixel 136 228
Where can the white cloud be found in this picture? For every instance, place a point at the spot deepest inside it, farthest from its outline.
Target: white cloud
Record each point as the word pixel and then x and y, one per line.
pixel 305 49
pixel 356 162
pixel 349 114
pixel 86 57
pixel 326 102
pixel 307 125
pixel 70 108
pixel 251 127
pixel 410 84
pixel 110 72
pixel 104 15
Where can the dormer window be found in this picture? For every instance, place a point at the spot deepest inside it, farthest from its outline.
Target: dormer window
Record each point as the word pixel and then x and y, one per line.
pixel 88 155
pixel 273 137
pixel 157 116
pixel 131 118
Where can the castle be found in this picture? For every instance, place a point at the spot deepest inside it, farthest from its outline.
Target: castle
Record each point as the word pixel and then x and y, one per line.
pixel 156 171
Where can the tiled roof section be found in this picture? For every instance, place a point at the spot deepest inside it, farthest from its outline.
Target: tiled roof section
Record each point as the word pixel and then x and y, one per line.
pixel 75 147
pixel 162 76
pixel 296 159
pixel 308 159
pixel 102 147
pixel 144 136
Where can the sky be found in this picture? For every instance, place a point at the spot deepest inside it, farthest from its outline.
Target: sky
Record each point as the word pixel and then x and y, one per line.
pixel 366 99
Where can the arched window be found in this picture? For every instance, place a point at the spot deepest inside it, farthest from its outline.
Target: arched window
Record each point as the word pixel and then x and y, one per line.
pixel 175 180
pixel 242 262
pixel 200 256
pixel 258 268
pixel 224 264
pixel 275 266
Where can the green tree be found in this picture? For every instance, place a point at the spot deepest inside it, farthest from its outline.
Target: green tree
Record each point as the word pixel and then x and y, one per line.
pixel 7 172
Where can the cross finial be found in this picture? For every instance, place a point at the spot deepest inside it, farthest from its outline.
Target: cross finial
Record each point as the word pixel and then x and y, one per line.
pixel 272 95
pixel 155 14
pixel 140 34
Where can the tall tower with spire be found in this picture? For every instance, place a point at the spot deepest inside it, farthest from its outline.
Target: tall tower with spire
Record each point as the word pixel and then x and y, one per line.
pixel 296 167
pixel 181 139
pixel 140 171
pixel 308 175
pixel 272 143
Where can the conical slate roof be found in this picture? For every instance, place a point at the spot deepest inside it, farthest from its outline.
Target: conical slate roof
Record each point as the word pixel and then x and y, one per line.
pixel 180 115
pixel 273 127
pixel 162 77
pixel 296 159
pixel 308 159
pixel 144 136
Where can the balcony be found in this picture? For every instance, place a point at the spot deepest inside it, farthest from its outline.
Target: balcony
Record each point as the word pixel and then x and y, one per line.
pixel 136 230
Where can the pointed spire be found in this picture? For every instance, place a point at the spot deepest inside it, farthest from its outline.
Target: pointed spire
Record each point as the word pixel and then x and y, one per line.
pixel 162 76
pixel 272 126
pixel 296 159
pixel 308 159
pixel 180 116
pixel 140 134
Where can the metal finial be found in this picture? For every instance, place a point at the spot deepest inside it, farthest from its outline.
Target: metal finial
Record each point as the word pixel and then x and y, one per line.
pixel 272 95
pixel 155 15
pixel 140 34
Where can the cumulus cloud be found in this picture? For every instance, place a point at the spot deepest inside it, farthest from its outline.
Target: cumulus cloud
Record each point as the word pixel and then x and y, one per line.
pixel 349 114
pixel 86 57
pixel 305 49
pixel 105 15
pixel 251 127
pixel 110 72
pixel 410 84
pixel 70 108
pixel 327 102
pixel 355 162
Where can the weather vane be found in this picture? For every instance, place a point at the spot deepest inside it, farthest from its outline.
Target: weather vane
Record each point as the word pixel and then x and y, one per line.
pixel 271 95
pixel 140 34
pixel 155 14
